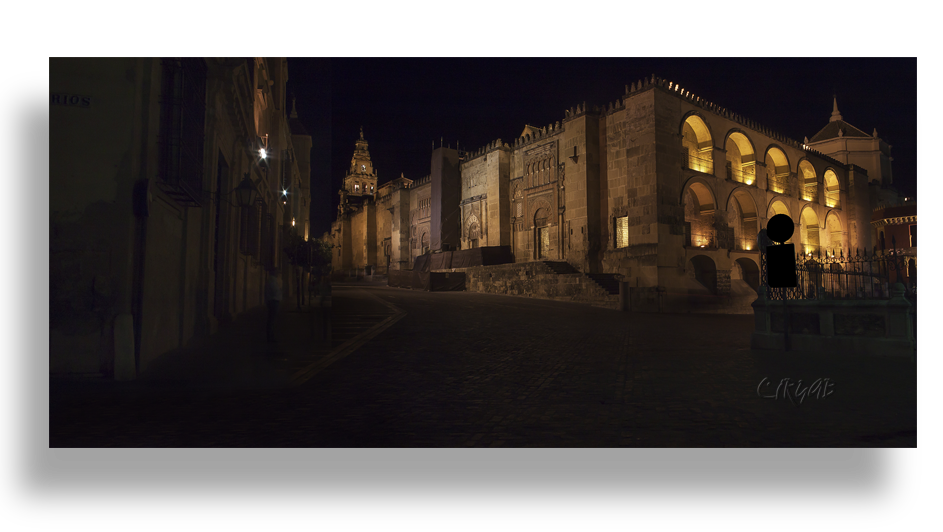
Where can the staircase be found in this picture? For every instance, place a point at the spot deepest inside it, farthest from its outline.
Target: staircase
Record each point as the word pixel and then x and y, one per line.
pixel 607 281
pixel 560 267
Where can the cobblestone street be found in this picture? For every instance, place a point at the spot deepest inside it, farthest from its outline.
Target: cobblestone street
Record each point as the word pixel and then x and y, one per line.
pixel 458 369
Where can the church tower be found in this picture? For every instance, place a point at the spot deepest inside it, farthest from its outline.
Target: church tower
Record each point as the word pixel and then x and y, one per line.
pixel 361 179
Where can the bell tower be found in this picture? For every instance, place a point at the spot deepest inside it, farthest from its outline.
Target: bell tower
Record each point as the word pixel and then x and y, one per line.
pixel 361 179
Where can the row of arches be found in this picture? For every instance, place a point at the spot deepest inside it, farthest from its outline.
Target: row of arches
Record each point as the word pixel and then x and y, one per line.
pixel 540 172
pixel 743 217
pixel 704 271
pixel 741 163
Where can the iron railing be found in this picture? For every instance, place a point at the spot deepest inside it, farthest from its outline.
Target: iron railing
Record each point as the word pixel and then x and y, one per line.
pixel 738 175
pixel 779 184
pixel 831 198
pixel 702 239
pixel 857 274
pixel 700 164
pixel 745 244
pixel 810 192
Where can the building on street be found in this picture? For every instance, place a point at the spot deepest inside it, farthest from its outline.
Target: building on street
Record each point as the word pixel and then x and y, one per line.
pixel 175 184
pixel 660 189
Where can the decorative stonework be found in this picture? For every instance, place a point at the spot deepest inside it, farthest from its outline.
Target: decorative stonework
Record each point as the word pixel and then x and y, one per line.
pixel 878 224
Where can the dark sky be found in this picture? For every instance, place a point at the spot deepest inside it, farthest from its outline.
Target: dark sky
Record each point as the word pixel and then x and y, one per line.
pixel 404 105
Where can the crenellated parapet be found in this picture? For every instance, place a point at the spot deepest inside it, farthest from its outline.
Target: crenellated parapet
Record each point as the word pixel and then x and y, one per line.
pixel 484 150
pixel 538 134
pixel 678 90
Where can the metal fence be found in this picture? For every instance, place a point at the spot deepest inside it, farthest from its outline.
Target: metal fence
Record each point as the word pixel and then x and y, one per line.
pixel 846 275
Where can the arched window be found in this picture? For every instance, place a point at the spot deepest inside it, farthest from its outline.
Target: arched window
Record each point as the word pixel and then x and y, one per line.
pixel 831 188
pixel 699 216
pixel 809 225
pixel 742 217
pixel 809 187
pixel 741 161
pixel 697 145
pixel 777 171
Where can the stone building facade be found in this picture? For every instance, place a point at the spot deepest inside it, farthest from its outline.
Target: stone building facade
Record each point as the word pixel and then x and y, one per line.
pixel 148 245
pixel 660 188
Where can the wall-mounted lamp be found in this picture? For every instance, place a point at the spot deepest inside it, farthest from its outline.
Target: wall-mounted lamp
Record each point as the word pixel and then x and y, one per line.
pixel 245 192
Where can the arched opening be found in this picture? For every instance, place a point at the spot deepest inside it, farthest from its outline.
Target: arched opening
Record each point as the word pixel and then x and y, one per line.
pixel 697 145
pixel 542 233
pixel 808 183
pixel 699 216
pixel 831 188
pixel 778 207
pixel 833 233
pixel 741 161
pixel 777 171
pixel 747 270
pixel 809 229
pixel 705 272
pixel 742 217
pixel 473 235
pixel 881 241
pixel 424 243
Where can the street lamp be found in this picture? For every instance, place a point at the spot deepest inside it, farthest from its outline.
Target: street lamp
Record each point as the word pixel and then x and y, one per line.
pixel 245 192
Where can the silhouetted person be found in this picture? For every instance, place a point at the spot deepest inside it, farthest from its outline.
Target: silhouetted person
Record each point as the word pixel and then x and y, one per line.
pixel 273 298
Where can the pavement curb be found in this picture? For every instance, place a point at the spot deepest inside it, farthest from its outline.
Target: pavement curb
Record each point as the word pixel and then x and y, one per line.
pixel 303 375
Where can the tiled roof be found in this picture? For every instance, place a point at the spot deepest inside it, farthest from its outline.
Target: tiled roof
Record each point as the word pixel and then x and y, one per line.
pixel 831 131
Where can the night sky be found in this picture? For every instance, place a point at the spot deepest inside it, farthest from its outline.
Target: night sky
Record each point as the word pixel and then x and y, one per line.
pixel 406 105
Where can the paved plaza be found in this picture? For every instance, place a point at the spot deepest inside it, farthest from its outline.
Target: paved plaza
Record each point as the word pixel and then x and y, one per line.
pixel 406 368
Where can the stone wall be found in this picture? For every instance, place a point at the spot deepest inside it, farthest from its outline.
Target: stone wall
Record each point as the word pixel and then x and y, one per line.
pixel 630 190
pixel 867 327
pixel 535 279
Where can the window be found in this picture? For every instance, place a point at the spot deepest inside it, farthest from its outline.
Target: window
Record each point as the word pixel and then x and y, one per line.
pixel 913 235
pixel 182 113
pixel 622 231
pixel 356 188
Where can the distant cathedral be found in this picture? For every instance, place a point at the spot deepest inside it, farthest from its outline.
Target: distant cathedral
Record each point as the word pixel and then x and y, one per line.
pixel 659 188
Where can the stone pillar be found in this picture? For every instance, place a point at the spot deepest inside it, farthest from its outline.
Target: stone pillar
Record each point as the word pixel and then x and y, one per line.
pixel 761 180
pixel 446 196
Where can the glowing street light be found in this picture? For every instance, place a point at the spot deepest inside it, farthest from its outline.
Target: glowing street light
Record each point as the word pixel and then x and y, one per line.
pixel 262 154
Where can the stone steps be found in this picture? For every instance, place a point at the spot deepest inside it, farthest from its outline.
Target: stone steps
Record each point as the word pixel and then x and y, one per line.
pixel 560 267
pixel 607 281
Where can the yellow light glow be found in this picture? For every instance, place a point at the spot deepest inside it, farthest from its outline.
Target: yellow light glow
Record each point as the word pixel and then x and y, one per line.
pixel 749 181
pixel 292 222
pixel 262 153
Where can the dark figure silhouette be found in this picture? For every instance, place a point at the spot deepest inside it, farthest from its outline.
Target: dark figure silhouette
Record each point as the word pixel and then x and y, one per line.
pixel 273 299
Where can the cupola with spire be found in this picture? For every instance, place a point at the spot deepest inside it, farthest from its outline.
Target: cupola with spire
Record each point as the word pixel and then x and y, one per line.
pixel 361 179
